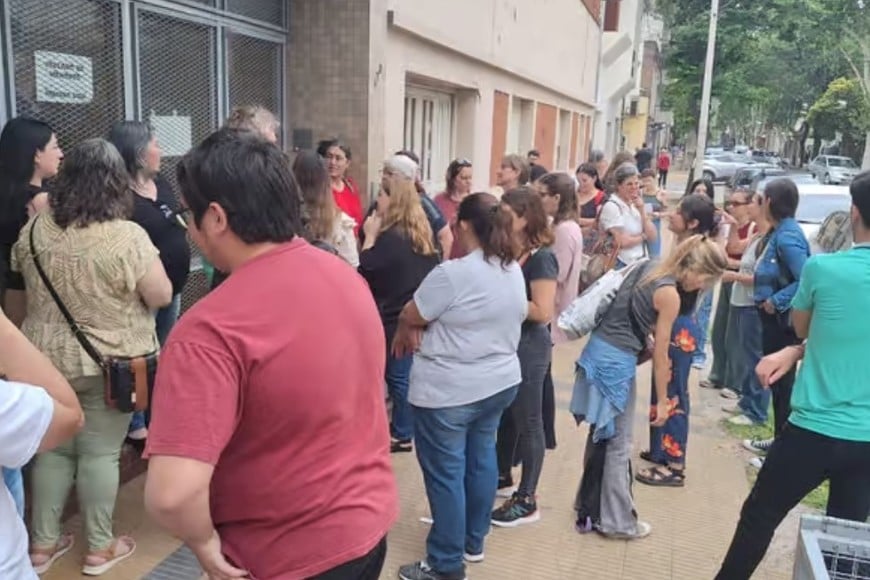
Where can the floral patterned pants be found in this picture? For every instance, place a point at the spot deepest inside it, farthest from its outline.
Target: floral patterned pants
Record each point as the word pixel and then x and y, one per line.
pixel 668 443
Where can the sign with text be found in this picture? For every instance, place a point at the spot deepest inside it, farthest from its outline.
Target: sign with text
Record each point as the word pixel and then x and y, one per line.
pixel 173 132
pixel 63 78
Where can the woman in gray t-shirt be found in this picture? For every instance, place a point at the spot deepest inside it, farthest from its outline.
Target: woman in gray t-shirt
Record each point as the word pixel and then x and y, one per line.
pixel 605 388
pixel 464 323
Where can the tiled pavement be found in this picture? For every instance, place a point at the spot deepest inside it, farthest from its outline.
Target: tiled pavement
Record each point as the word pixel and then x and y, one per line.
pixel 691 526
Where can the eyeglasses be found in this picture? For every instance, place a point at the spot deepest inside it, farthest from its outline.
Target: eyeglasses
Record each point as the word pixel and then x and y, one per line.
pixel 737 203
pixel 462 162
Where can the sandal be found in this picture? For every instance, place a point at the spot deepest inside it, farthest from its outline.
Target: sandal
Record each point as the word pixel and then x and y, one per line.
pixel 400 446
pixel 42 558
pixel 98 563
pixel 647 456
pixel 658 477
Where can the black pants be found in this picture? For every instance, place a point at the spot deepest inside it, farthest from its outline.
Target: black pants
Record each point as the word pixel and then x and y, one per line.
pixel 776 334
pixel 798 462
pixel 663 177
pixel 366 568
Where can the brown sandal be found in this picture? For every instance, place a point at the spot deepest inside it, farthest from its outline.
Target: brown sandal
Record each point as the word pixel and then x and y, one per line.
pixel 43 558
pixel 98 563
pixel 662 477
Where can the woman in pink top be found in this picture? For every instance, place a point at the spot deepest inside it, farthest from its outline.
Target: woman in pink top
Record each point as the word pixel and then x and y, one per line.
pixel 459 175
pixel 560 203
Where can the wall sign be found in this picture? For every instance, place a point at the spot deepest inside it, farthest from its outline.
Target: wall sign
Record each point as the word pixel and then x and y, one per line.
pixel 173 132
pixel 63 78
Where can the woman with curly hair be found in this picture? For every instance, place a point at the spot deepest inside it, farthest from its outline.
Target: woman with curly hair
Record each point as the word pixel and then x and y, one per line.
pixel 396 256
pixel 108 274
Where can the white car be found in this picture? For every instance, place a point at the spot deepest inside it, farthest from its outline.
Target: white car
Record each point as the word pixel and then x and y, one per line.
pixel 816 202
pixel 833 169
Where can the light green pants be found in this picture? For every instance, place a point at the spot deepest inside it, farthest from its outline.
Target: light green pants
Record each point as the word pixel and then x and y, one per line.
pixel 90 460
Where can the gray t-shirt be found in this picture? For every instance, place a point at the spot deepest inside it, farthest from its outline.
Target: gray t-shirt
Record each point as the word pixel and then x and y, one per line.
pixel 476 308
pixel 616 327
pixel 744 294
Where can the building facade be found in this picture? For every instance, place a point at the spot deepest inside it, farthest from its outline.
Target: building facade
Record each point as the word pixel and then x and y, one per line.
pixel 448 79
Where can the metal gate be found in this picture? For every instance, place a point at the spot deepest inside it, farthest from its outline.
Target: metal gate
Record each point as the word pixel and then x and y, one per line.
pixel 82 65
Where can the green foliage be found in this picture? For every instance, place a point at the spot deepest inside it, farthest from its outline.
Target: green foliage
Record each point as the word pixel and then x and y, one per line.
pixel 842 108
pixel 773 58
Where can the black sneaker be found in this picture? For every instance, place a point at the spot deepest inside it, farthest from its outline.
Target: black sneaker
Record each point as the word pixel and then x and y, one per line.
pixel 401 445
pixel 516 511
pixel 422 571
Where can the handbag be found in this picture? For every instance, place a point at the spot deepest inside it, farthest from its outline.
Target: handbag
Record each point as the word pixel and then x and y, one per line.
pixel 128 381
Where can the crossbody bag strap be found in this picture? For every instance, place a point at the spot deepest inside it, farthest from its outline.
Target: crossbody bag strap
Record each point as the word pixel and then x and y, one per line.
pixel 76 329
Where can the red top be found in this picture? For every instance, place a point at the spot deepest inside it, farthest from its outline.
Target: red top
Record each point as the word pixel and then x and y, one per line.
pixel 743 232
pixel 347 200
pixel 450 207
pixel 664 162
pixel 276 379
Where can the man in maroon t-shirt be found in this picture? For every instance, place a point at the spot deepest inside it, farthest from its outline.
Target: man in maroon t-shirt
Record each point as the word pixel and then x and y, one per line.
pixel 269 447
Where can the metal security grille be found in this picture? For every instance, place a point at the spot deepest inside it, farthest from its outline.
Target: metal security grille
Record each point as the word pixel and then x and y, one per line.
pixel 68 66
pixel 271 11
pixel 178 94
pixel 254 71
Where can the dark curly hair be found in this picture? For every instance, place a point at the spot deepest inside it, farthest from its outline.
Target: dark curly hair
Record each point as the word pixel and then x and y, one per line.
pixel 93 186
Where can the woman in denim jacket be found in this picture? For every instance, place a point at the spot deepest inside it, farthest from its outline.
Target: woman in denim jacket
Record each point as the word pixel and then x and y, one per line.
pixel 784 252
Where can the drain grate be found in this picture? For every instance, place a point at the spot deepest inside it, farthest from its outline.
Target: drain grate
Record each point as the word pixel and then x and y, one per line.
pixel 180 565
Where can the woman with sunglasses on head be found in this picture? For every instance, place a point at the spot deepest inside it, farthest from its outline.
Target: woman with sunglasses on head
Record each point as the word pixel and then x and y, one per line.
pixel 744 323
pixel 532 234
pixel 723 373
pixel 459 177
pixel 648 301
pixel 694 216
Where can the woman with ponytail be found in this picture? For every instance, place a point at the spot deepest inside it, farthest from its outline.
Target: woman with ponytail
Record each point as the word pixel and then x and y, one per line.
pixel 695 216
pixel 649 301
pixel 464 323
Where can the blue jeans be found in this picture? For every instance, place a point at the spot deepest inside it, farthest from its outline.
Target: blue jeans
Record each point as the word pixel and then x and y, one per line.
pixel 165 319
pixel 15 484
pixel 456 451
pixel 702 318
pixel 754 399
pixel 398 373
pixel 655 248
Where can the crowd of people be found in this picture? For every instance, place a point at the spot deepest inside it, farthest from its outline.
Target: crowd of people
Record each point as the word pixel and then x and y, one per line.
pixel 447 306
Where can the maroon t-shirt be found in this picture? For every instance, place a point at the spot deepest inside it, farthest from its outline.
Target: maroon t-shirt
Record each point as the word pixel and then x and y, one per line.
pixel 450 207
pixel 276 379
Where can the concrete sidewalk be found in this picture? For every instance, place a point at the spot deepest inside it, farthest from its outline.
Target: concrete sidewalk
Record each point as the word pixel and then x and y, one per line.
pixel 692 526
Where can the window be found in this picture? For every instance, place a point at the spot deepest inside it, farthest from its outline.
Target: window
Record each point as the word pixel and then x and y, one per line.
pixel 429 133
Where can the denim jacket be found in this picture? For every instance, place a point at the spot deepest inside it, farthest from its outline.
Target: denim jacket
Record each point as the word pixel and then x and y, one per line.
pixel 778 270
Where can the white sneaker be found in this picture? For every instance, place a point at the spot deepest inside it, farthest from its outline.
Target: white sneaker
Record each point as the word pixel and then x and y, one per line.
pixel 756 462
pixel 473 558
pixel 741 420
pixel 758 445
pixel 643 530
pixel 732 408
pixel 506 492
pixel 729 394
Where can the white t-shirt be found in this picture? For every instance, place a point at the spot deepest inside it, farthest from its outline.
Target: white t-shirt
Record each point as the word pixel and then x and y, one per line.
pixel 469 351
pixel 25 414
pixel 615 213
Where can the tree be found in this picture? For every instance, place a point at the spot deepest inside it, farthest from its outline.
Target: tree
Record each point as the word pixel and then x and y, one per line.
pixel 842 108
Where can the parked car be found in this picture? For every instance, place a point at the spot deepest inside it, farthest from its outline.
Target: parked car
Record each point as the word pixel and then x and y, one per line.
pixel 723 167
pixel 714 151
pixel 745 176
pixel 760 156
pixel 758 184
pixel 833 169
pixel 816 202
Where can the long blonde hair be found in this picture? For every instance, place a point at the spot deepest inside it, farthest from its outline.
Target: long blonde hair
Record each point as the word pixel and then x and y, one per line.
pixel 405 213
pixel 253 118
pixel 697 255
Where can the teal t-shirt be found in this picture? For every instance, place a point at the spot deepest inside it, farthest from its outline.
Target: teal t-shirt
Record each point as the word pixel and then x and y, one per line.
pixel 832 392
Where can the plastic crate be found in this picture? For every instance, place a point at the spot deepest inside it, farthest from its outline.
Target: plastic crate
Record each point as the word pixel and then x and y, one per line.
pixel 830 548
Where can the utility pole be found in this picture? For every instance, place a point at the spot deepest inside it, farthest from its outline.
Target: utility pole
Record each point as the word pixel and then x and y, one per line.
pixel 704 120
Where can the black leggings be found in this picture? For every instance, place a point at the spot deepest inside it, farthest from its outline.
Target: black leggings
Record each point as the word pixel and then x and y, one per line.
pixel 367 567
pixel 797 463
pixel 776 334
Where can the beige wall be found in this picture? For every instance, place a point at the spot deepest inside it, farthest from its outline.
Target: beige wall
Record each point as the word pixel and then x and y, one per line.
pixel 541 52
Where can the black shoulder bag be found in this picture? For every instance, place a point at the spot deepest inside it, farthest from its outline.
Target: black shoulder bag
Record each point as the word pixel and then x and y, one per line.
pixel 128 380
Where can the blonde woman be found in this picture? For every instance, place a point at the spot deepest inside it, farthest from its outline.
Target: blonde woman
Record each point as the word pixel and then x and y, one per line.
pixel 396 256
pixel 649 301
pixel 324 222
